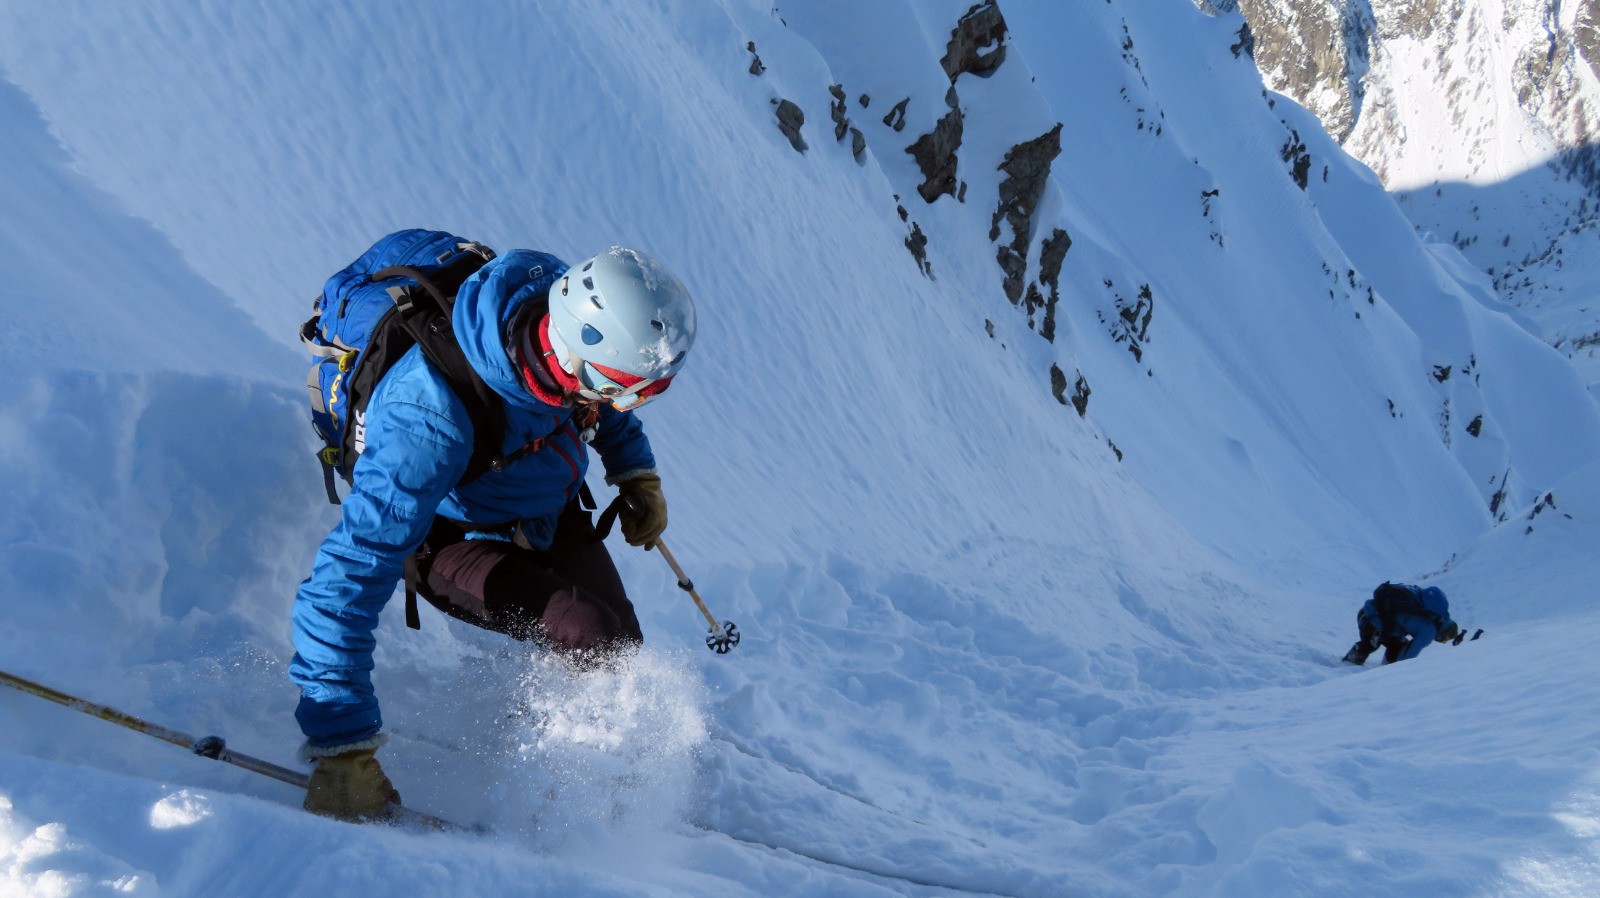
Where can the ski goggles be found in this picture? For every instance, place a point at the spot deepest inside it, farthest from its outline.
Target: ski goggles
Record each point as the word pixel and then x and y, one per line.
pixel 623 390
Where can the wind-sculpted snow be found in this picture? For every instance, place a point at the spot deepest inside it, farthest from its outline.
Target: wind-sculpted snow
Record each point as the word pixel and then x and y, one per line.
pixel 150 513
pixel 1043 541
pixel 89 287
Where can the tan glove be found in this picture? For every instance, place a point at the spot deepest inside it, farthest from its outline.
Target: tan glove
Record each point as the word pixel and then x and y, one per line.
pixel 350 786
pixel 643 528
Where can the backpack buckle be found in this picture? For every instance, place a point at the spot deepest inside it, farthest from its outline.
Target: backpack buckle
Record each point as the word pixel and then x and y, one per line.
pixel 401 297
pixel 473 246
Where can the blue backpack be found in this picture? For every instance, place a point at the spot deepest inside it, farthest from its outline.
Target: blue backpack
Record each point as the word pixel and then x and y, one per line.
pixel 1391 600
pixel 398 294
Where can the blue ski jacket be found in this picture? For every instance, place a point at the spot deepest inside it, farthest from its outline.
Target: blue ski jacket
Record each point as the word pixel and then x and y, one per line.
pixel 418 444
pixel 1423 617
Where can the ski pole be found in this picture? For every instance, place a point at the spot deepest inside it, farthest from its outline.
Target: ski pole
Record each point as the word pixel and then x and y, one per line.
pixel 212 747
pixel 723 636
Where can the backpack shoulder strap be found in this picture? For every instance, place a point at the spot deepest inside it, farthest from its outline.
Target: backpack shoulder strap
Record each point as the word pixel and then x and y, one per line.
pixel 426 316
pixel 484 407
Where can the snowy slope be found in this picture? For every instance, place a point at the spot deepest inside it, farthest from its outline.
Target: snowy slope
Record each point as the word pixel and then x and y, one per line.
pixel 993 643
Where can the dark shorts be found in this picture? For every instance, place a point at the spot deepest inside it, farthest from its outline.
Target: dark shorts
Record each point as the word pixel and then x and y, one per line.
pixel 568 596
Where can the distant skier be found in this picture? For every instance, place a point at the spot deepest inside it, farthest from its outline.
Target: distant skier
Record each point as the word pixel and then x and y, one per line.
pixel 1402 620
pixel 570 353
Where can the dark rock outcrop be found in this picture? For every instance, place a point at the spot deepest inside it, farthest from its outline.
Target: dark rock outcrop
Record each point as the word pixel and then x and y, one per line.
pixel 1051 255
pixel 917 243
pixel 790 120
pixel 841 120
pixel 896 117
pixel 1299 158
pixel 1131 323
pixel 1246 45
pixel 842 124
pixel 977 43
pixel 1027 169
pixel 935 153
pixel 1080 392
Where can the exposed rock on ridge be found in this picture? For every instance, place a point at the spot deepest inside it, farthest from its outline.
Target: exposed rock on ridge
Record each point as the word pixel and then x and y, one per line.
pixel 977 44
pixel 1027 168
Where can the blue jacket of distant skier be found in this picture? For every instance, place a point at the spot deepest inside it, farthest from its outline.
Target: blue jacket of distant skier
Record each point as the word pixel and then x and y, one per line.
pixel 418 443
pixel 1419 612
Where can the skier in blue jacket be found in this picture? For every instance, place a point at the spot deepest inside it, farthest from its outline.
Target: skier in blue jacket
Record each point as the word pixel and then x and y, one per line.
pixel 1402 620
pixel 571 353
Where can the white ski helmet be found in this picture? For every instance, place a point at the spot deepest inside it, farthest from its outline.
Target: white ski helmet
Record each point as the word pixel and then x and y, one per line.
pixel 621 311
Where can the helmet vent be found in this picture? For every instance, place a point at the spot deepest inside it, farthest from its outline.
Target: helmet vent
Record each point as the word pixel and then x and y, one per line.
pixel 595 298
pixel 588 283
pixel 591 336
pixel 678 358
pixel 588 265
pixel 656 323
